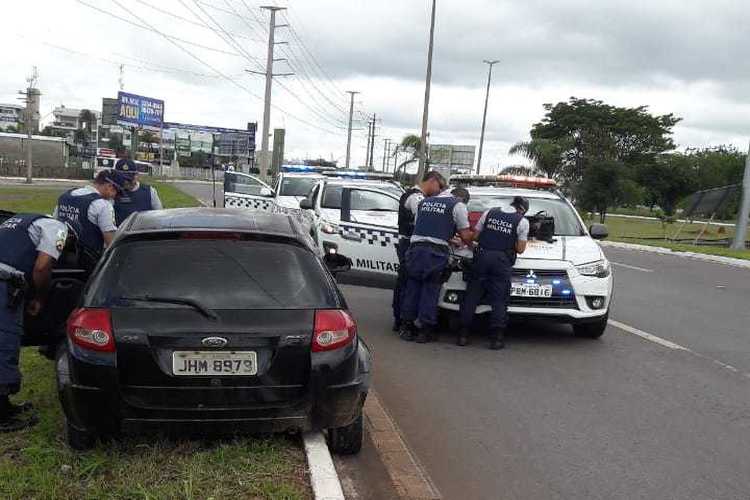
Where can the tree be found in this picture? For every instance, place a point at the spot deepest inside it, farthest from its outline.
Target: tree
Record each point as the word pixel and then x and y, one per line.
pixel 87 120
pixel 667 180
pixel 520 170
pixel 603 186
pixel 410 144
pixel 546 155
pixel 590 131
pixel 50 132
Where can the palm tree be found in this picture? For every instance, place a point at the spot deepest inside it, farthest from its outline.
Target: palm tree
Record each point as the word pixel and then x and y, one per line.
pixel 546 154
pixel 410 144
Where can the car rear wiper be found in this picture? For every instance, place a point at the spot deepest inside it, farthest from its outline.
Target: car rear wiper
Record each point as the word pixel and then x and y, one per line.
pixel 175 300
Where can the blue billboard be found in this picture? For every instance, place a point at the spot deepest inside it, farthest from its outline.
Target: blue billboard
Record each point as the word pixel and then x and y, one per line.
pixel 140 111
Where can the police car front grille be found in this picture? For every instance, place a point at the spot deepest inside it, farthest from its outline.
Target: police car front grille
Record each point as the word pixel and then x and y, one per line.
pixel 554 303
pixel 542 273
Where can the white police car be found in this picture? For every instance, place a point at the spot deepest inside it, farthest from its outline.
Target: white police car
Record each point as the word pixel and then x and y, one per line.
pixel 356 215
pixel 563 275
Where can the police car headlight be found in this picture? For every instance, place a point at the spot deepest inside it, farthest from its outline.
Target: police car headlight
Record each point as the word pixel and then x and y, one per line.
pixel 600 269
pixel 329 228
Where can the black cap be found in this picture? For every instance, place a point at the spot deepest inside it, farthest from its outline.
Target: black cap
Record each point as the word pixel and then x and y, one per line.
pixel 520 202
pixel 117 179
pixel 126 167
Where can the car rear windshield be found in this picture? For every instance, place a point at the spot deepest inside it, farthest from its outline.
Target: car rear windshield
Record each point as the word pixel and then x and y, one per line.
pixel 566 222
pixel 297 186
pixel 220 274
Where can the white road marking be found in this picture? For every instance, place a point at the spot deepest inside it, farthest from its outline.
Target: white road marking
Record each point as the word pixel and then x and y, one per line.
pixel 648 336
pixel 635 268
pixel 671 345
pixel 323 476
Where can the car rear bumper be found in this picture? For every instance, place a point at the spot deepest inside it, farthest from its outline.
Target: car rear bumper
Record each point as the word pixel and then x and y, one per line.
pixel 109 408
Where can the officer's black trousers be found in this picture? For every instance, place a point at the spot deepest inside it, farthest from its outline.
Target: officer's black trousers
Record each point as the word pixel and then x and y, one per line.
pixel 491 274
pixel 398 292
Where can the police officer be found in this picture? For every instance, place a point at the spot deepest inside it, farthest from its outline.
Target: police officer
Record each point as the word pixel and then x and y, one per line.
pixel 137 197
pixel 432 183
pixel 502 234
pixel 89 211
pixel 29 245
pixel 438 219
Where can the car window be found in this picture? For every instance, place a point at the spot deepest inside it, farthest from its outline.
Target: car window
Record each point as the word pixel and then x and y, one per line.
pixel 331 197
pixel 297 186
pixel 221 274
pixel 566 222
pixel 242 184
pixel 372 201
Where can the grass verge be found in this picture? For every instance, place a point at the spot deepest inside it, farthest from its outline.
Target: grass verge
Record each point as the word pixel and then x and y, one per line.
pixel 36 463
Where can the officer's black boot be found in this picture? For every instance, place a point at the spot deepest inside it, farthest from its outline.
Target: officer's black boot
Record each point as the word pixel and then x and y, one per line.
pixel 406 331
pixel 463 337
pixel 497 336
pixel 396 325
pixel 426 334
pixel 15 417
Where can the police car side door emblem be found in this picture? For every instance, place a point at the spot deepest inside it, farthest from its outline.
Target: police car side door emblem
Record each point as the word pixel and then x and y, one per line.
pixel 214 342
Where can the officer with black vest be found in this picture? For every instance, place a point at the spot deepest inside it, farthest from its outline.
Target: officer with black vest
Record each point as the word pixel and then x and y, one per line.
pixel 136 197
pixel 29 245
pixel 438 220
pixel 89 211
pixel 432 183
pixel 501 234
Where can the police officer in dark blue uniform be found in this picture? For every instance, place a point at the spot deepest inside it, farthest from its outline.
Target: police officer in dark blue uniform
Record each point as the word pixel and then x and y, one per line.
pixel 89 211
pixel 136 197
pixel 29 245
pixel 502 234
pixel 432 184
pixel 438 219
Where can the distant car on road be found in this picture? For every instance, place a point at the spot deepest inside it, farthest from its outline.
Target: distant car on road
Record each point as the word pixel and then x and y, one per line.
pixel 214 319
pixel 562 276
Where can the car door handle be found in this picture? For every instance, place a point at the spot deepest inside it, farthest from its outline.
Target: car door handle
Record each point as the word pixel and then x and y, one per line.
pixel 351 236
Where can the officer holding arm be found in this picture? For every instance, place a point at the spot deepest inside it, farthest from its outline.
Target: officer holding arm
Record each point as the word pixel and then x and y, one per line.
pixel 501 234
pixel 89 211
pixel 432 183
pixel 438 219
pixel 29 246
pixel 136 197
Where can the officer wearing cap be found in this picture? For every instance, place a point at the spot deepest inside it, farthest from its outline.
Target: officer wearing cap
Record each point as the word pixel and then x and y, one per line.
pixel 432 183
pixel 501 234
pixel 29 245
pixel 438 219
pixel 137 197
pixel 89 211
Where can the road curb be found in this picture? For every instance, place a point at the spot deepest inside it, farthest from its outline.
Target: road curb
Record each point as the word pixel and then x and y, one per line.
pixel 408 476
pixel 323 476
pixel 716 259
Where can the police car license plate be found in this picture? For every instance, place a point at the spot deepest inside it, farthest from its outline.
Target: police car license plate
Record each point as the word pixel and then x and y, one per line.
pixel 212 363
pixel 528 290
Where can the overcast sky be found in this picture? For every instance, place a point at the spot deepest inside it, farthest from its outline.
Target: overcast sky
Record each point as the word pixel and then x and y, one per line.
pixel 687 58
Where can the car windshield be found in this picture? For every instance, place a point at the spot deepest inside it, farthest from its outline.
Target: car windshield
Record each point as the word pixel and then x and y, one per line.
pixel 566 221
pixel 297 186
pixel 218 274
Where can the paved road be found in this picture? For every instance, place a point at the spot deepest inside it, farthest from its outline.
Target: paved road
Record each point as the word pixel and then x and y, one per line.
pixel 553 416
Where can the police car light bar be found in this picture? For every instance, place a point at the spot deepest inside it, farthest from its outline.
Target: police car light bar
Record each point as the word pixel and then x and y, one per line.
pixel 517 181
pixel 359 174
pixel 305 169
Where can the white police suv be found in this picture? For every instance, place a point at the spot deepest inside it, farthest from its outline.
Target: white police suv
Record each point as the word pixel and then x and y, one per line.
pixel 563 275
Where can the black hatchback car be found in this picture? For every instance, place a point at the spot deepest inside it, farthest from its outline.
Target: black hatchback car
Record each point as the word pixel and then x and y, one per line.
pixel 216 320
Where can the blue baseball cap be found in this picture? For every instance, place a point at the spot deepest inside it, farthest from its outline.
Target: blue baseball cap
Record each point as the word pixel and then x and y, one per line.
pixel 114 177
pixel 126 167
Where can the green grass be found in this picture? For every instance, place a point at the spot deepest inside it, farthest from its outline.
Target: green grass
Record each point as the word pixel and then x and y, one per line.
pixel 642 231
pixel 42 199
pixel 36 463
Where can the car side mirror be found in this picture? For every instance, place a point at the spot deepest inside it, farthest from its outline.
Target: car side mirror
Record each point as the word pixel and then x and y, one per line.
pixel 264 191
pixel 306 204
pixel 337 263
pixel 598 231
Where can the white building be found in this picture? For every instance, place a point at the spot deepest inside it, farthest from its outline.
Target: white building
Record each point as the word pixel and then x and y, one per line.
pixel 11 115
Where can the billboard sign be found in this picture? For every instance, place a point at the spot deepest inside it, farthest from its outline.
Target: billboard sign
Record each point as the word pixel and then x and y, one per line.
pixel 140 111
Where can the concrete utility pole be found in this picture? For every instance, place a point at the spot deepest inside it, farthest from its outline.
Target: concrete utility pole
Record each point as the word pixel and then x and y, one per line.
pixel 367 148
pixel 351 93
pixel 32 109
pixel 425 112
pixel 484 117
pixel 265 159
pixel 386 149
pixel 740 231
pixel 372 143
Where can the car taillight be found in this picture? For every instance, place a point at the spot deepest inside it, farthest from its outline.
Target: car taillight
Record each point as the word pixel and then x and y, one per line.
pixel 92 329
pixel 333 329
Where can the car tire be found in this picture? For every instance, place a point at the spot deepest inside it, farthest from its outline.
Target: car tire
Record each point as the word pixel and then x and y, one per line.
pixel 79 440
pixel 591 330
pixel 347 440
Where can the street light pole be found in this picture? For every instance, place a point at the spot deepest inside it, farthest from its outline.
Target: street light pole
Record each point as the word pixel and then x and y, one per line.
pixel 425 112
pixel 484 117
